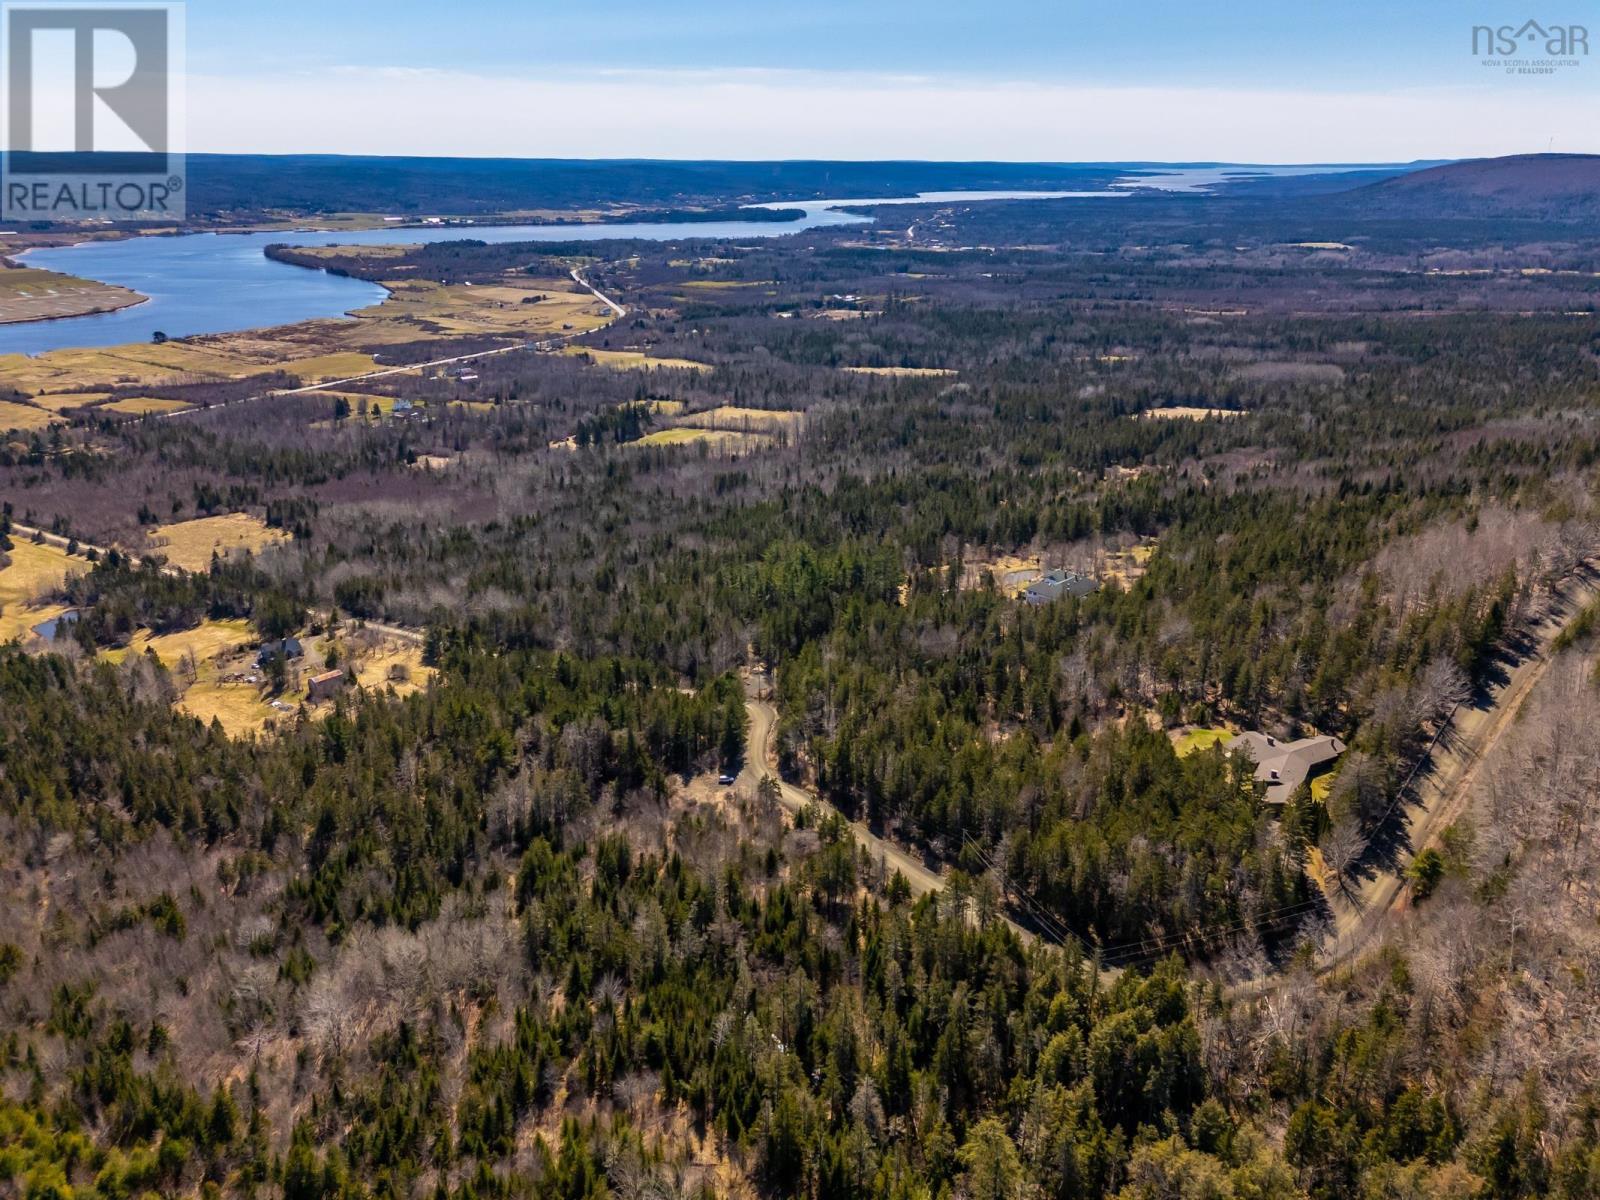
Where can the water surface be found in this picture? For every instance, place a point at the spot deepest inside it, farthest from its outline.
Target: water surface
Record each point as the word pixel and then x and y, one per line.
pixel 222 282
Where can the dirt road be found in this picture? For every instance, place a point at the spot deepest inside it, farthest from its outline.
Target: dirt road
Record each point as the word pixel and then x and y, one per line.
pixel 762 760
pixel 1383 900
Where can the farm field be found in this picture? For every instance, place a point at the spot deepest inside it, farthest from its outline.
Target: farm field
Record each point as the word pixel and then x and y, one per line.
pixel 25 417
pixel 34 570
pixel 732 417
pixel 62 401
pixel 719 439
pixel 214 668
pixel 142 406
pixel 634 360
pixel 901 372
pixel 190 544
pixel 1186 412
pixel 34 294
pixel 315 351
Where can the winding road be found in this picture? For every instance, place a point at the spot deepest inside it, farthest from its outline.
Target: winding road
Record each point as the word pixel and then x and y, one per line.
pixel 1383 898
pixel 761 761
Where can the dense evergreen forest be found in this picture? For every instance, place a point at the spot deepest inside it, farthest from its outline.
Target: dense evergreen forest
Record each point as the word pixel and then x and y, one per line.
pixel 506 935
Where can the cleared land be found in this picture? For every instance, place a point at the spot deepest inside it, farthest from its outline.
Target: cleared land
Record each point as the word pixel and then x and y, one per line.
pixel 1188 741
pixel 911 372
pixel 1011 573
pixel 313 350
pixel 732 417
pixel 214 667
pixel 1185 412
pixel 25 417
pixel 62 401
pixel 143 406
pixel 34 571
pixel 34 294
pixel 633 360
pixel 190 544
pixel 721 439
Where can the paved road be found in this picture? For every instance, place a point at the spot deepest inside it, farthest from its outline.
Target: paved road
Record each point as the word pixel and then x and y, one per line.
pixel 577 276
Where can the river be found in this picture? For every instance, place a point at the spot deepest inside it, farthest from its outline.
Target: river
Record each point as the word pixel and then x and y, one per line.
pixel 222 282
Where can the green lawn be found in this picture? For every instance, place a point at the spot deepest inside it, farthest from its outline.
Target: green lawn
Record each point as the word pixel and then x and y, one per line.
pixel 1200 739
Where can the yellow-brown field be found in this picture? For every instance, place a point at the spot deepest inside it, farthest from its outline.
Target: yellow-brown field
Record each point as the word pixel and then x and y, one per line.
pixel 1012 573
pixel 520 307
pixel 719 439
pixel 34 294
pixel 316 350
pixel 25 417
pixel 214 668
pixel 1184 412
pixel 390 664
pixel 34 571
pixel 190 544
pixel 728 416
pixel 342 365
pixel 61 401
pixel 143 406
pixel 634 360
pixel 908 372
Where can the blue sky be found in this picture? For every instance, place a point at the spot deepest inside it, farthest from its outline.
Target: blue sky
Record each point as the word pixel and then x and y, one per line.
pixel 880 78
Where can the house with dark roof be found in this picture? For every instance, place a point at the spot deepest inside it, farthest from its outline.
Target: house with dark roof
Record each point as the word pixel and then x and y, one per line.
pixel 290 648
pixel 1284 766
pixel 1056 584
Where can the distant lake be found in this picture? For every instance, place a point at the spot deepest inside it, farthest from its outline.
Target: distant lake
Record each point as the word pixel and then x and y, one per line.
pixel 222 282
pixel 1203 179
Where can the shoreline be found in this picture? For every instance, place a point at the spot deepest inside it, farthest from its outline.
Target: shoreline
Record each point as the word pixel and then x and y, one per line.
pixel 7 322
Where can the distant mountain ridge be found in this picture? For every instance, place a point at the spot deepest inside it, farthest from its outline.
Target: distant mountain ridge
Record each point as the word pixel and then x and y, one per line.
pixel 1552 187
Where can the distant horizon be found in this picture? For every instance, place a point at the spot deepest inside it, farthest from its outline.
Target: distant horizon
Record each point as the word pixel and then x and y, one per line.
pixel 1126 163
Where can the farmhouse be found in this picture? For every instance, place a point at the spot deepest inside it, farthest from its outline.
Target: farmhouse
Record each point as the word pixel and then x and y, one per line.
pixel 290 648
pixel 325 686
pixel 1056 584
pixel 1284 766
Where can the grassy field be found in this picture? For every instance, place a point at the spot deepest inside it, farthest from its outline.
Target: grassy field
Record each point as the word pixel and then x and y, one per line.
pixel 392 664
pixel 25 417
pixel 721 439
pixel 1012 573
pixel 342 365
pixel 61 401
pixel 227 686
pixel 314 350
pixel 143 406
pixel 729 416
pixel 190 544
pixel 34 571
pixel 911 372
pixel 222 661
pixel 1191 740
pixel 33 294
pixel 1127 567
pixel 519 308
pixel 1184 412
pixel 634 360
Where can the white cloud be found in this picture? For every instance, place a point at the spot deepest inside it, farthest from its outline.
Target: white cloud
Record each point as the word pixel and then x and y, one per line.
pixel 766 114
